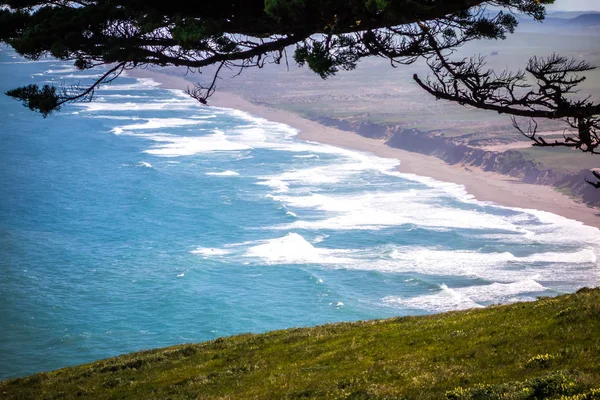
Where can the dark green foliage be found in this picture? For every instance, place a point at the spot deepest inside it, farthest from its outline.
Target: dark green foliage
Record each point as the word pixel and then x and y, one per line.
pixel 330 35
pixel 325 63
pixel 280 9
pixel 44 100
pixel 523 351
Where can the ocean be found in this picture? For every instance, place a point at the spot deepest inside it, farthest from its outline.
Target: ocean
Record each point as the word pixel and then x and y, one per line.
pixel 144 220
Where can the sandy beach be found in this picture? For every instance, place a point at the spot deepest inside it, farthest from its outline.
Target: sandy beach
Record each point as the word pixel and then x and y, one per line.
pixel 485 186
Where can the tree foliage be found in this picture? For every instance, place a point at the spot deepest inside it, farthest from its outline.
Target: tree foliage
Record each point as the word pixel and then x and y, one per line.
pixel 326 35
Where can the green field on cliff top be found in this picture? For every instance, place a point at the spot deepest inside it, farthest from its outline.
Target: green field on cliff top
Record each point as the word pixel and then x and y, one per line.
pixel 547 349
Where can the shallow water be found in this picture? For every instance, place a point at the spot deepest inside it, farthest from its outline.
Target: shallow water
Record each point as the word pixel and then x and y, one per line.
pixel 143 220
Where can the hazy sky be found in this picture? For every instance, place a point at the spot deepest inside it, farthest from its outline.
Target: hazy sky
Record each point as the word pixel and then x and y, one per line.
pixel 575 5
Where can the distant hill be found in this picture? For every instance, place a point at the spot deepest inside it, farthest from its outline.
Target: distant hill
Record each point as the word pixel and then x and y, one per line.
pixel 570 23
pixel 569 14
pixel 586 21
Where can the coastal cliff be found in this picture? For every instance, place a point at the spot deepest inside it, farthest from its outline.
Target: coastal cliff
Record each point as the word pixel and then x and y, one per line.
pixel 469 152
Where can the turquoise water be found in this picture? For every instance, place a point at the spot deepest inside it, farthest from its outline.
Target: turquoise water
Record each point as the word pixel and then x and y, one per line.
pixel 143 220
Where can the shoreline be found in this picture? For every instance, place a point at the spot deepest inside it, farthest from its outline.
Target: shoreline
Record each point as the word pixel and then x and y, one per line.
pixel 482 185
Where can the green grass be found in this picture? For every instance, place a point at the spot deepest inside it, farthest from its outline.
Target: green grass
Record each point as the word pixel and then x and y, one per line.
pixel 560 158
pixel 544 349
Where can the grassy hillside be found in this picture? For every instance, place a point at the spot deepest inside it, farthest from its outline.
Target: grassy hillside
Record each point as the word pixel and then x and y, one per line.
pixel 544 349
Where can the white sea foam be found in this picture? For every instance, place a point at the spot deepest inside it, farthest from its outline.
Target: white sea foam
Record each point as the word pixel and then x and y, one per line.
pixel 60 70
pixel 210 116
pixel 499 267
pixel 553 228
pixel 427 255
pixel 293 249
pixel 313 176
pixel 342 171
pixel 584 256
pixel 446 299
pixel 320 238
pixel 115 117
pixel 437 188
pixel 373 210
pixel 27 62
pixel 558 229
pixel 141 83
pixel 253 122
pixel 130 106
pixel 145 164
pixel 210 251
pixel 83 76
pixel 171 100
pixel 223 173
pixel 159 123
pixel 501 292
pixel 174 146
pixel 421 207
pixel 120 96
pixel 276 184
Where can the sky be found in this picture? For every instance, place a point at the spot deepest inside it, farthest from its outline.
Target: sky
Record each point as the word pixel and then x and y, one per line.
pixel 575 5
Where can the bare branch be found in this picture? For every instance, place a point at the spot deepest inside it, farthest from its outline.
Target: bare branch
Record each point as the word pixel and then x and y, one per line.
pixel 202 93
pixel 468 82
pixel 74 93
pixel 597 183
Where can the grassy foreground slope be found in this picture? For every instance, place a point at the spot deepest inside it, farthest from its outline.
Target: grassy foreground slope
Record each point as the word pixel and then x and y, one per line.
pixel 549 348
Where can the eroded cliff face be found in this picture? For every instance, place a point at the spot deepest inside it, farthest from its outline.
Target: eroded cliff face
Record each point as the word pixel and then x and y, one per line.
pixel 461 151
pixel 453 152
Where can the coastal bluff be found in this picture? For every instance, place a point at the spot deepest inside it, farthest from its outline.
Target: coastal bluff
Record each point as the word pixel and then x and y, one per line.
pixel 470 152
